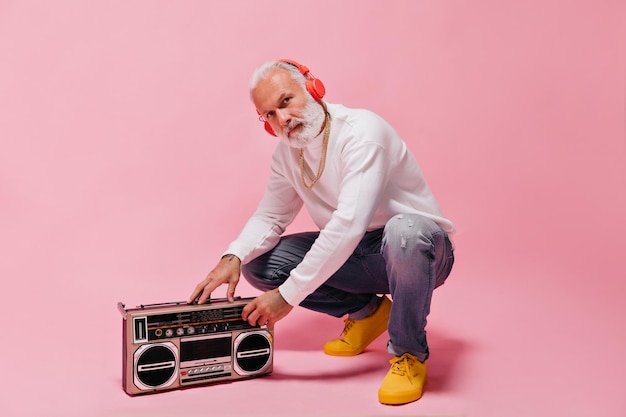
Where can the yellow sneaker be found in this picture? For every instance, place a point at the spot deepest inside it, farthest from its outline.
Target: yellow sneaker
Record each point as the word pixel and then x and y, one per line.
pixel 404 382
pixel 358 334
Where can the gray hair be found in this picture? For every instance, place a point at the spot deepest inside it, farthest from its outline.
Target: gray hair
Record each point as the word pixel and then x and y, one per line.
pixel 263 71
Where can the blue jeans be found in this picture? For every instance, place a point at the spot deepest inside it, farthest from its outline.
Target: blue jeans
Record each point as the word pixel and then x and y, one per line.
pixel 407 259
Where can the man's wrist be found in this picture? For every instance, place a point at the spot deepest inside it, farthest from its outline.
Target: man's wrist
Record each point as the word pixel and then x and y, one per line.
pixel 230 257
pixel 281 296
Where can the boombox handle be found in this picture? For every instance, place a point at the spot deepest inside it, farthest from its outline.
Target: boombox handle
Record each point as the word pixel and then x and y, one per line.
pixel 121 307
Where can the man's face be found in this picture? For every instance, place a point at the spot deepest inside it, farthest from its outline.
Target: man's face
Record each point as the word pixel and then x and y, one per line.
pixel 293 115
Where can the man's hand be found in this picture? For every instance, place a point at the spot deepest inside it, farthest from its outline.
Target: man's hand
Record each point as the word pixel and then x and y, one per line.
pixel 227 271
pixel 267 309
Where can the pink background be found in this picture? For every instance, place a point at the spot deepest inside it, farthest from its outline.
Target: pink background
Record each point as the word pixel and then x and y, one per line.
pixel 130 156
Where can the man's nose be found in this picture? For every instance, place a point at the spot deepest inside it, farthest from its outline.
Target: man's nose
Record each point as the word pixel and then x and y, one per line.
pixel 283 117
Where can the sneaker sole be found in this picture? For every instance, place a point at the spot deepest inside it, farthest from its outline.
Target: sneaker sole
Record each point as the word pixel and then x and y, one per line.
pixel 397 399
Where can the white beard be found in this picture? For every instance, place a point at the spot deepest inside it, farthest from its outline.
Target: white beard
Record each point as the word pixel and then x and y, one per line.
pixel 310 124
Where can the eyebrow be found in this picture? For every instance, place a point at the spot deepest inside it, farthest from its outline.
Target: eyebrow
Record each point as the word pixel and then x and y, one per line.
pixel 280 100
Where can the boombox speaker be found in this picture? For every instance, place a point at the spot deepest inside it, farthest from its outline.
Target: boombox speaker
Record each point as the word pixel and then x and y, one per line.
pixel 177 345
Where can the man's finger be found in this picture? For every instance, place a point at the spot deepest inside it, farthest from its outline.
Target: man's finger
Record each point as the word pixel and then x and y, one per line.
pixel 249 308
pixel 231 292
pixel 204 297
pixel 194 296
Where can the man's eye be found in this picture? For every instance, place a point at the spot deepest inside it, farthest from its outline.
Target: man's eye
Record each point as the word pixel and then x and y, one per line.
pixel 269 114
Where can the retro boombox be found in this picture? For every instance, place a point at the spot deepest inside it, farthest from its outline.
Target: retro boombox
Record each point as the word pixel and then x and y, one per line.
pixel 177 345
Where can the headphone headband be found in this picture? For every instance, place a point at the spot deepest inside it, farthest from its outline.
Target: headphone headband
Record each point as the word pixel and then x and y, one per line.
pixel 314 86
pixel 304 70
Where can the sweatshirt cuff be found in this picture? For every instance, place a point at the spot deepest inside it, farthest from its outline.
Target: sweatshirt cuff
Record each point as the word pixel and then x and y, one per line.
pixel 237 251
pixel 291 293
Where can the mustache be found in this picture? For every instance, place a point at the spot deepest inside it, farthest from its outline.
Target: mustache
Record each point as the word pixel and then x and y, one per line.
pixel 293 123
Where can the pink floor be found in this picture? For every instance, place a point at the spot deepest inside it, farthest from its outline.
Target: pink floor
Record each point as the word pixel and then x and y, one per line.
pixel 130 155
pixel 530 338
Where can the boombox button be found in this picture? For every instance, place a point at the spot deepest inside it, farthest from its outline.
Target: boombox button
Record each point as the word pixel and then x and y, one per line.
pixel 191 330
pixel 180 331
pixel 208 369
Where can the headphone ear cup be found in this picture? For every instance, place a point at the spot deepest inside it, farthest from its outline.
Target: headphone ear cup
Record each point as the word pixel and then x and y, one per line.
pixel 266 125
pixel 316 88
pixel 268 128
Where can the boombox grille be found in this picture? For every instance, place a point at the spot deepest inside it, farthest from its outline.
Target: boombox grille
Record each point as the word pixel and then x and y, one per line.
pixel 253 352
pixel 156 365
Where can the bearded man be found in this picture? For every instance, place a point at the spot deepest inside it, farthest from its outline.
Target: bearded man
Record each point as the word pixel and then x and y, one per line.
pixel 381 231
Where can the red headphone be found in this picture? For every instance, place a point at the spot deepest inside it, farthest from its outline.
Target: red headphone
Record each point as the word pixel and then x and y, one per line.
pixel 314 86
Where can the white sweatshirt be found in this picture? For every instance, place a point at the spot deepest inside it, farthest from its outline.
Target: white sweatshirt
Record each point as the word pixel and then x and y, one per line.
pixel 369 177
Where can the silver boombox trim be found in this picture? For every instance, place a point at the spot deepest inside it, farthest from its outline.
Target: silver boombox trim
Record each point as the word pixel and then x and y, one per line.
pixel 177 345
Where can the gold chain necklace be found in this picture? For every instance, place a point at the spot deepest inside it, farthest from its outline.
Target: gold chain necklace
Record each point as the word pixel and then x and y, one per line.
pixel 320 168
